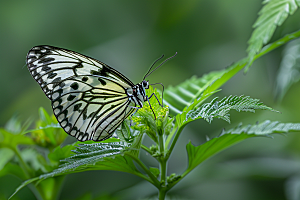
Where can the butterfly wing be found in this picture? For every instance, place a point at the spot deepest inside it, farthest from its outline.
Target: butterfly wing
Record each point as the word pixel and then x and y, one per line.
pixel 88 97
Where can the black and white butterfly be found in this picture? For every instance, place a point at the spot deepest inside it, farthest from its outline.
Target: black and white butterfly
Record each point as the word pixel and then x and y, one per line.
pixel 89 98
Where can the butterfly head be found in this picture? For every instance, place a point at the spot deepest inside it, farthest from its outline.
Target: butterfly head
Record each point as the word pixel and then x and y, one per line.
pixel 145 84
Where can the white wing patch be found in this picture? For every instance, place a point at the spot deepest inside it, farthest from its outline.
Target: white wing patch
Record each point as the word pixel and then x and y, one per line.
pixel 88 97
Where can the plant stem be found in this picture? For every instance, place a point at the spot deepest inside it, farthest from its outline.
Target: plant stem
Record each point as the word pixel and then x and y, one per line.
pixel 163 168
pixel 152 179
pixel 174 141
pixel 162 193
pixel 162 160
pixel 23 165
pixel 35 190
pixel 277 43
pixel 146 149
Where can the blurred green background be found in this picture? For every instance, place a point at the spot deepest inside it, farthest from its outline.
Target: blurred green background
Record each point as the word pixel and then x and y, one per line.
pixel 129 36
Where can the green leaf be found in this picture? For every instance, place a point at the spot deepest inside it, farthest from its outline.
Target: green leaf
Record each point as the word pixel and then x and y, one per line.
pixel 228 74
pixel 183 95
pixel 15 126
pixel 23 185
pixel 220 109
pixel 11 140
pixel 34 160
pixel 14 169
pixel 61 153
pixel 145 121
pixel 94 156
pixel 125 133
pixel 6 156
pixel 44 116
pixel 198 154
pixel 89 154
pixel 155 171
pixel 50 126
pixel 289 71
pixel 273 14
pixel 47 133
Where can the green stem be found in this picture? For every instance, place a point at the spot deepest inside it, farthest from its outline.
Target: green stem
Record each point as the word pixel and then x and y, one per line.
pixel 27 172
pixel 162 194
pixel 174 141
pixel 162 160
pixel 146 149
pixel 163 168
pixel 152 179
pixel 23 165
pixel 277 44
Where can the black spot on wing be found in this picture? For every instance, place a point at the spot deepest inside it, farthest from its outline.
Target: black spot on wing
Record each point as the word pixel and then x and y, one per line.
pixel 77 106
pixel 45 60
pixel 51 75
pixel 71 97
pixel 84 114
pixel 104 71
pixel 84 79
pixel 74 86
pixel 103 82
pixel 101 72
pixel 93 72
pixel 46 68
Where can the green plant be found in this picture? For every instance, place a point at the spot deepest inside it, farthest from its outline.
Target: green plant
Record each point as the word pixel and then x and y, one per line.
pixel 186 103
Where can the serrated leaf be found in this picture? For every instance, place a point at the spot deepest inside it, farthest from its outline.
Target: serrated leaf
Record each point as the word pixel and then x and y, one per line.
pixel 273 14
pixel 60 153
pixel 289 70
pixel 220 109
pixel 183 95
pixel 145 121
pixel 94 156
pixel 198 154
pixel 89 154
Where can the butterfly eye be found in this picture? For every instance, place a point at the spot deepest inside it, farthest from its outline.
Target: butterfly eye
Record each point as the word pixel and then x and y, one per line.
pixel 145 84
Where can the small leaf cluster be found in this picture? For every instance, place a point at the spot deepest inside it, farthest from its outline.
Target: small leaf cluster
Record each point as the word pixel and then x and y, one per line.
pixel 27 154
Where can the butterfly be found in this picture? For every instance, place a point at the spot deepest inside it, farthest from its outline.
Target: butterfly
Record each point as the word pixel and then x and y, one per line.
pixel 89 99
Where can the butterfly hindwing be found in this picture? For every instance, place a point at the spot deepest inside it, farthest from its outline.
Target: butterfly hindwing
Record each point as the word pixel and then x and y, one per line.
pixel 88 97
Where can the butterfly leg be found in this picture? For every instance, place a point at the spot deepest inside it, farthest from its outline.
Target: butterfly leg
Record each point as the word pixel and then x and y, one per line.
pixel 162 93
pixel 136 109
pixel 151 106
pixel 156 99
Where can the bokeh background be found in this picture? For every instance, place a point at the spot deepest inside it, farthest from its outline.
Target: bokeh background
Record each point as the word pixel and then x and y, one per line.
pixel 129 35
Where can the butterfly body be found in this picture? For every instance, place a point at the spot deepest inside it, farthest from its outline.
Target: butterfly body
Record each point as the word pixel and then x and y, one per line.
pixel 89 98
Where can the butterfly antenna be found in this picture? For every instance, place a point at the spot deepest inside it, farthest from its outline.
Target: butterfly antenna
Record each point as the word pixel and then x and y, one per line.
pixel 153 65
pixel 148 73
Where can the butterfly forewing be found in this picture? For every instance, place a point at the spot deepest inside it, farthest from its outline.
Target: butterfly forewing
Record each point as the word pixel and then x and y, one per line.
pixel 88 97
